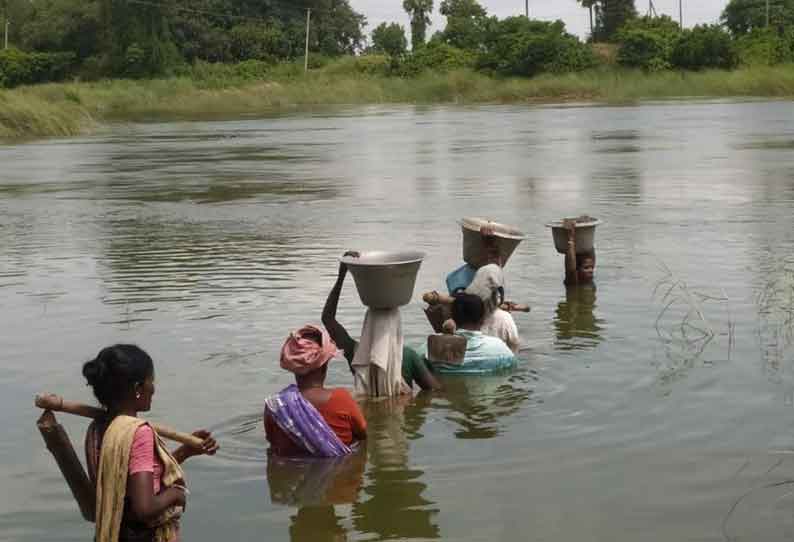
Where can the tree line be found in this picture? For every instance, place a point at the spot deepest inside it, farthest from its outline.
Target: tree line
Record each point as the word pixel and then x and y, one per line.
pixel 89 39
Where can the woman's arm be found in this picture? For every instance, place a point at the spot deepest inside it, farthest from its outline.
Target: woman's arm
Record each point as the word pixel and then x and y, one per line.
pixel 426 380
pixel 336 330
pixel 145 504
pixel 208 447
pixel 571 277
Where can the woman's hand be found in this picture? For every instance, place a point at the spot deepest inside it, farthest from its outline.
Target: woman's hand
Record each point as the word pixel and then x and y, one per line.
pixel 209 446
pixel 178 495
pixel 343 266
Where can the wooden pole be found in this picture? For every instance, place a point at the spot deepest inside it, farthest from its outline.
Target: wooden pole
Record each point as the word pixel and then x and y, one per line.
pixel 49 401
pixel 61 448
pixel 306 53
pixel 526 8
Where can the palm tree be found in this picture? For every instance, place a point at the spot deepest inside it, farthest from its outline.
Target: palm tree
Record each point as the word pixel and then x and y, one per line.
pixel 420 11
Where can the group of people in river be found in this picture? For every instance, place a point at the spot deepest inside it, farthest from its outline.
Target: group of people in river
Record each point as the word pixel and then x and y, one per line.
pixel 141 491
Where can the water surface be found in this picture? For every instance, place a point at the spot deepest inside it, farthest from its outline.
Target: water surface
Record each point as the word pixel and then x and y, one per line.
pixel 657 406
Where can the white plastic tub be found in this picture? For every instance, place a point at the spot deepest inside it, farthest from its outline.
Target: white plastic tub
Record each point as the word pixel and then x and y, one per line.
pixel 385 280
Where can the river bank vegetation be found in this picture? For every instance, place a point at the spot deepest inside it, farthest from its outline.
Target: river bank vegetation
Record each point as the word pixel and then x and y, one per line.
pixel 78 63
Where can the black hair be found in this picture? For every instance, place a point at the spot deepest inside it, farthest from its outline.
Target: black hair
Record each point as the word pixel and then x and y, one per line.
pixel 467 309
pixel 116 370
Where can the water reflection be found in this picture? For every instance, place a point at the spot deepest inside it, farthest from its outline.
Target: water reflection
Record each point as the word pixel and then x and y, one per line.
pixel 306 482
pixel 395 507
pixel 577 326
pixel 316 486
pixel 480 407
pixel 316 524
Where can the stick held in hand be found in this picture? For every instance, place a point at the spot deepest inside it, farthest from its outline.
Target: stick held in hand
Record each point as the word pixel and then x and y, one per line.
pixel 56 403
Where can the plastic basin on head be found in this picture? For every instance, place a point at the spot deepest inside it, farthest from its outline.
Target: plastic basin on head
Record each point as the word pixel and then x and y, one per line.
pixel 385 280
pixel 585 235
pixel 507 240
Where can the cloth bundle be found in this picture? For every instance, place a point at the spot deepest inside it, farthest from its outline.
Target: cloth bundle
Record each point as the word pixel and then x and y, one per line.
pixel 377 364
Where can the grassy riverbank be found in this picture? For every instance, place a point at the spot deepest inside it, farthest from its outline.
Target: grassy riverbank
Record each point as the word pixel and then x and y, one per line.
pixel 74 108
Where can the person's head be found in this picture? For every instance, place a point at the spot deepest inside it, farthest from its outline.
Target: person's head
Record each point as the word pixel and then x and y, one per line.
pixel 468 311
pixel 488 285
pixel 306 353
pixel 122 376
pixel 585 267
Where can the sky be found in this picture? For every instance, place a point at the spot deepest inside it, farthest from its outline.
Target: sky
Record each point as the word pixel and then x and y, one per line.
pixel 576 19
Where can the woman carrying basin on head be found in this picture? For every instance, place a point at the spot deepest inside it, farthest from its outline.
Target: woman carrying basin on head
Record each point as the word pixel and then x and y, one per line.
pixel 384 328
pixel 306 418
pixel 140 484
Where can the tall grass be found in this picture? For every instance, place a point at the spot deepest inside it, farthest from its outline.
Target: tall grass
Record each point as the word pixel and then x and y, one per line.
pixel 72 108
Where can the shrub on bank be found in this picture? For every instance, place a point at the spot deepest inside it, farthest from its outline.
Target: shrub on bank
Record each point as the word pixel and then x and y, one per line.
pixel 704 46
pixel 437 56
pixel 644 49
pixel 765 47
pixel 23 68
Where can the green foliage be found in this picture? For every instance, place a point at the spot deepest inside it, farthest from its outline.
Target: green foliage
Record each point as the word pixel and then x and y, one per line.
pixel 21 68
pixel 389 39
pixel 704 46
pixel 521 46
pixel 419 11
pixel 437 57
pixel 764 48
pixel 743 16
pixel 643 49
pixel 63 25
pixel 610 16
pixel 467 24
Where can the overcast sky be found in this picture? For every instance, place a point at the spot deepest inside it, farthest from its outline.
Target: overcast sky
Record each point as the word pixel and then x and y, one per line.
pixel 576 18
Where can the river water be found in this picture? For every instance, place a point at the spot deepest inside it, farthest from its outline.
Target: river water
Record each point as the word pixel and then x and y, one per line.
pixel 659 406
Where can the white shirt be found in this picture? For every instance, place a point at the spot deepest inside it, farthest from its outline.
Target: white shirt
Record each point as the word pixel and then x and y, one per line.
pixel 501 324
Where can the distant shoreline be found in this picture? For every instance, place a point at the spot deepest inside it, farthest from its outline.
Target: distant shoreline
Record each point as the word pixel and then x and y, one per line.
pixel 68 109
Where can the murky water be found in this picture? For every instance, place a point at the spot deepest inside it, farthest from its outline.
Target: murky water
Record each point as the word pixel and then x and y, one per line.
pixel 659 406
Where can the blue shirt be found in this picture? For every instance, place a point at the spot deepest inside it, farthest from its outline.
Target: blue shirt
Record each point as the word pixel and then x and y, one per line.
pixel 484 354
pixel 460 278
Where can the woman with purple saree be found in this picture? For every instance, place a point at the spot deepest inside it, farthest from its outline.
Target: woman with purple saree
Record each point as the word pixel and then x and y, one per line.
pixel 307 419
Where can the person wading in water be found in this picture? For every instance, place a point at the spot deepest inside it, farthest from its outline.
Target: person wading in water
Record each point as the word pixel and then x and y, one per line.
pixel 140 485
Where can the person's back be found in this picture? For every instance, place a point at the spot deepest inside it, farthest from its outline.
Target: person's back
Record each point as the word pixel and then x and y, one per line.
pixel 336 406
pixel 484 353
pixel 500 324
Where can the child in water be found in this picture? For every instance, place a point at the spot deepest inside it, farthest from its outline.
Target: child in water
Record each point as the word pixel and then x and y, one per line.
pixel 579 267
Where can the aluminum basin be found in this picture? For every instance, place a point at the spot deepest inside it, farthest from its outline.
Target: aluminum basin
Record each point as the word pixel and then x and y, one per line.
pixel 474 254
pixel 585 235
pixel 385 280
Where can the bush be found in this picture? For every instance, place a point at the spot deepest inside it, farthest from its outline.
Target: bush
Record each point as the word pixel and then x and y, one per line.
pixel 438 57
pixel 763 48
pixel 643 49
pixel 370 64
pixel 704 46
pixel 22 68
pixel 520 46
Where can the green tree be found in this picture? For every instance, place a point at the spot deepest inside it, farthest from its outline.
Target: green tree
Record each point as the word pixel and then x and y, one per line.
pixel 419 11
pixel 136 40
pixel 521 46
pixel 744 16
pixel 704 46
pixel 389 39
pixel 467 23
pixel 462 8
pixel 63 25
pixel 610 16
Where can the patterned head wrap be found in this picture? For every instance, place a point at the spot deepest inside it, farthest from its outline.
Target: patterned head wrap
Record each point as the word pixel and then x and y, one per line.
pixel 307 349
